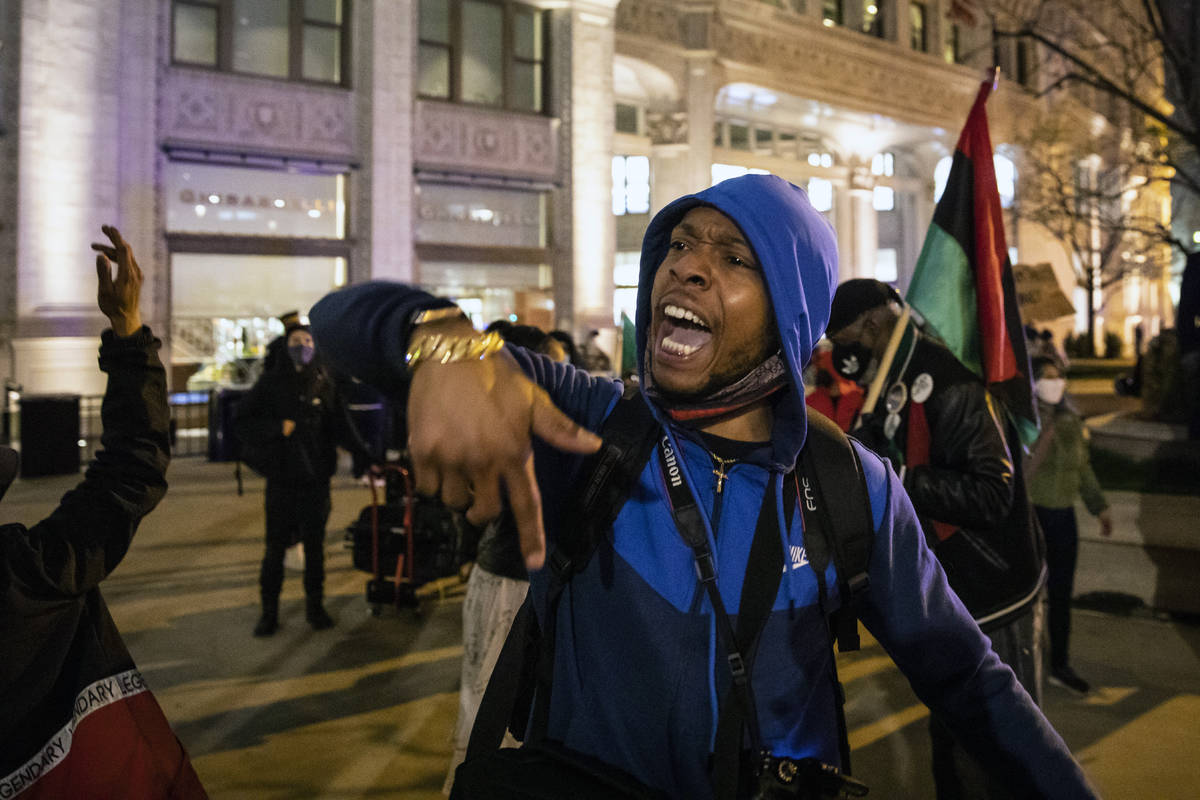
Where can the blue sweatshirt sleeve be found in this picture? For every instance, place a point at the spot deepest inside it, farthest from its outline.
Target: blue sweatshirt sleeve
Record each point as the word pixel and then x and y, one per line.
pixel 364 330
pixel 919 620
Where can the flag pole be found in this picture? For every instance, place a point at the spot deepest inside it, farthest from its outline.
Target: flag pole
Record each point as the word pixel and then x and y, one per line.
pixel 885 364
pixel 993 77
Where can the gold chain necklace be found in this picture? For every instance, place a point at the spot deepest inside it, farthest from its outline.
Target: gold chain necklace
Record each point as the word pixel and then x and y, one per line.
pixel 722 470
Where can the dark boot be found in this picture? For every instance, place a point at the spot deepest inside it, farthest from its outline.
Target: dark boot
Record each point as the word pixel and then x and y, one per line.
pixel 316 615
pixel 268 623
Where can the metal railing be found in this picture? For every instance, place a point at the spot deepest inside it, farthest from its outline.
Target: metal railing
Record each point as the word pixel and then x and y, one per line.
pixel 189 424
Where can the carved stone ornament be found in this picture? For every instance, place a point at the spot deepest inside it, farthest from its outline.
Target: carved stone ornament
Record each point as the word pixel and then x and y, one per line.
pixel 240 113
pixel 461 138
pixel 667 127
pixel 799 56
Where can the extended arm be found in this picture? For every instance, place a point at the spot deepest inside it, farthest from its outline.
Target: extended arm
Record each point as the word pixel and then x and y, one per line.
pixel 471 422
pixel 88 534
pixel 924 627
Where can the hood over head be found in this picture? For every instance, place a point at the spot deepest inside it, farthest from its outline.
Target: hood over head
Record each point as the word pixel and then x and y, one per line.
pixel 797 251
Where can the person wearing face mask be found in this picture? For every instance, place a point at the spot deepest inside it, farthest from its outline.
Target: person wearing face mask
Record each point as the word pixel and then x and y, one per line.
pixel 1059 472
pixel 295 417
pixel 944 434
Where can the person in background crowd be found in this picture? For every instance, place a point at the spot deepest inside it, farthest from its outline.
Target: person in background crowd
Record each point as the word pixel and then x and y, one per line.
pixel 1059 472
pixel 594 359
pixel 1045 346
pixel 567 342
pixel 78 720
pixel 937 421
pixel 289 426
pixel 836 397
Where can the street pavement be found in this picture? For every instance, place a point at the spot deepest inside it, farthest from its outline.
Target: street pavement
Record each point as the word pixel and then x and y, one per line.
pixel 365 710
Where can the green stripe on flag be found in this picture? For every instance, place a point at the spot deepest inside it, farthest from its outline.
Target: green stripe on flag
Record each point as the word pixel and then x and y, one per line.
pixel 943 291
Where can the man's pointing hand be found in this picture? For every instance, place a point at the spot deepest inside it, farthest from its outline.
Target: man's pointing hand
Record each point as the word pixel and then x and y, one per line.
pixel 471 427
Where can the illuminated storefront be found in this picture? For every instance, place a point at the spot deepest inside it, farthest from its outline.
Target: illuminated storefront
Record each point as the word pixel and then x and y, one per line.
pixel 246 245
pixel 487 249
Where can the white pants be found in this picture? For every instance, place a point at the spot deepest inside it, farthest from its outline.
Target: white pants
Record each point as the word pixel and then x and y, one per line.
pixel 489 608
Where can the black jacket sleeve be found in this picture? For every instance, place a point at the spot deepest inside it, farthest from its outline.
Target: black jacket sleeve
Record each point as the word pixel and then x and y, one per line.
pixel 969 479
pixel 256 421
pixel 78 545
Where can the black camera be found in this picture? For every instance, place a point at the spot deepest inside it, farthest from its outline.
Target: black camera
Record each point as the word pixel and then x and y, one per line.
pixel 803 779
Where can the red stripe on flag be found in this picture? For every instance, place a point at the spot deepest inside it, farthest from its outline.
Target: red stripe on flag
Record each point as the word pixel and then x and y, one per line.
pixel 991 250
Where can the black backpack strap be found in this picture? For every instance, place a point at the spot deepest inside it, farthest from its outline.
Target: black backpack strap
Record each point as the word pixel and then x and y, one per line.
pixel 518 694
pixel 847 535
pixel 844 535
pixel 764 572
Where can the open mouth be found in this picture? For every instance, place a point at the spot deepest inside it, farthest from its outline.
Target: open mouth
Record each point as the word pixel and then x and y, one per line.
pixel 683 331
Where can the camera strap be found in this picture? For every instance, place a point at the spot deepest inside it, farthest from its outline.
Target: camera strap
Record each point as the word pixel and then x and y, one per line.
pixel 764 571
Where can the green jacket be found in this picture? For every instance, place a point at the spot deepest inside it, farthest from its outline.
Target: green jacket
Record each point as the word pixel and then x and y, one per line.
pixel 1060 469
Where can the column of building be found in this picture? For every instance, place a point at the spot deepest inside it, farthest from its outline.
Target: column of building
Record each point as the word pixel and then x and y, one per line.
pixel 384 186
pixel 590 117
pixel 85 126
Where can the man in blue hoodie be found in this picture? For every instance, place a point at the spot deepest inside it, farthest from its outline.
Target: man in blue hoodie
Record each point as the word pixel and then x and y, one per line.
pixel 735 289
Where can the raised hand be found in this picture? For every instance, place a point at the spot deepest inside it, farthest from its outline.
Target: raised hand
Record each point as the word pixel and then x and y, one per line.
pixel 471 425
pixel 118 297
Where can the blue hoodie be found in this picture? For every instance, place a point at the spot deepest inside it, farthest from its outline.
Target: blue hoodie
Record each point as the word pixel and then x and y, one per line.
pixel 639 669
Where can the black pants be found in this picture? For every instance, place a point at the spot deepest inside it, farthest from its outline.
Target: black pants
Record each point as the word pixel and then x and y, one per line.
pixel 296 512
pixel 957 775
pixel 1062 551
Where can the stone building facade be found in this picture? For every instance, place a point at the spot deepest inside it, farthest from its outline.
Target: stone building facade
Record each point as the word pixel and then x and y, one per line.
pixel 258 154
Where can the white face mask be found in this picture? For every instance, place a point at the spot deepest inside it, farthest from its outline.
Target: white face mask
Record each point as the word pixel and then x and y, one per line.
pixel 1051 390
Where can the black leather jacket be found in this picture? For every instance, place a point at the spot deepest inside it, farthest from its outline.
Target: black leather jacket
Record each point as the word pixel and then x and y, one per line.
pixel 972 482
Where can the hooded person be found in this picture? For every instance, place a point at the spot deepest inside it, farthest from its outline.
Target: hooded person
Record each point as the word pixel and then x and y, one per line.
pixel 288 426
pixel 78 718
pixel 735 290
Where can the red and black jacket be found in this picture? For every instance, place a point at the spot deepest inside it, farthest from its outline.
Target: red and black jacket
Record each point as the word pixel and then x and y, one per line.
pixel 78 719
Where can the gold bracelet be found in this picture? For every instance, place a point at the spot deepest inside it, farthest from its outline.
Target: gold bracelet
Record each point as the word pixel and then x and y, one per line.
pixel 447 348
pixel 436 314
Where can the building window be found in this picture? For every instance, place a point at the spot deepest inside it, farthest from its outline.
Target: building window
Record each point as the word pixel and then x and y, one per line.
pixel 816 159
pixel 290 39
pixel 831 12
pixel 631 185
pixel 916 27
pixel 786 143
pixel 883 164
pixel 886 267
pixel 820 194
pixel 626 118
pixel 764 140
pixel 1025 65
pixel 739 136
pixel 953 50
pixel 873 20
pixel 488 52
pixel 1006 178
pixel 883 198
pixel 626 269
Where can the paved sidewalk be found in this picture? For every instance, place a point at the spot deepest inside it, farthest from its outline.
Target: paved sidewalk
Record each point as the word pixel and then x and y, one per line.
pixel 365 710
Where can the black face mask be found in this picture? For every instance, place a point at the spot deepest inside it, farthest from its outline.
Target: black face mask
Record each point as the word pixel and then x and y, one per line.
pixel 851 360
